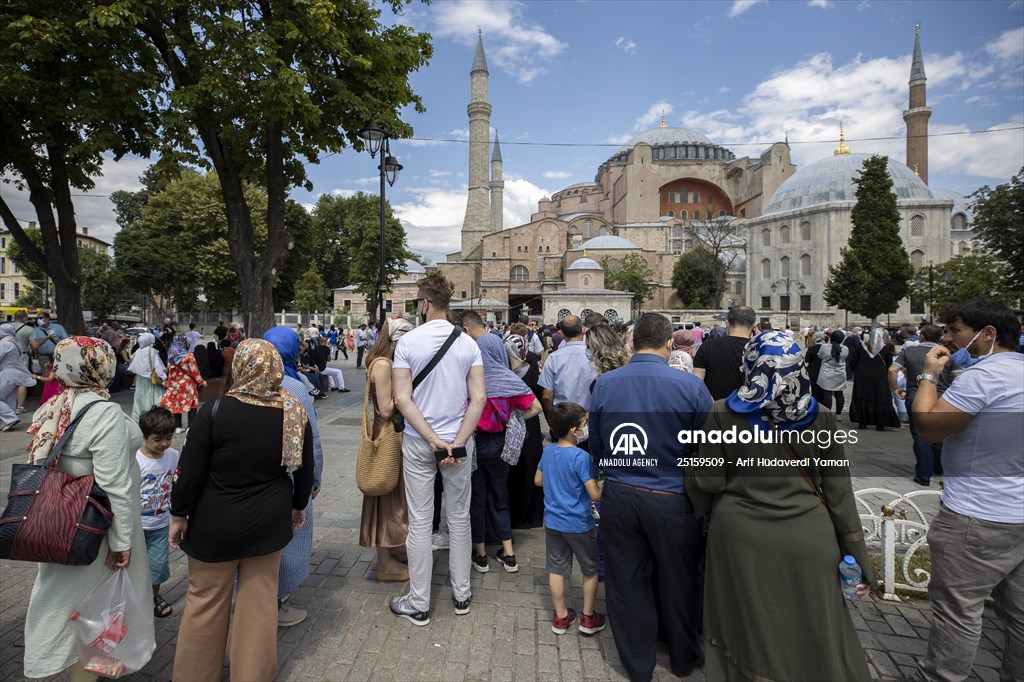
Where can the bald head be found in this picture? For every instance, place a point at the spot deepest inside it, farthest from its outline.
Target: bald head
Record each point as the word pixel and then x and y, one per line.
pixel 572 327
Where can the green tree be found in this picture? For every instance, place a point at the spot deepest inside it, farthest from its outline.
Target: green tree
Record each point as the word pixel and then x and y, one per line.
pixel 721 240
pixel 103 289
pixel 694 278
pixel 874 261
pixel 362 230
pixel 31 297
pixel 962 278
pixel 261 88
pixel 632 274
pixel 128 205
pixel 74 89
pixel 309 291
pixel 999 221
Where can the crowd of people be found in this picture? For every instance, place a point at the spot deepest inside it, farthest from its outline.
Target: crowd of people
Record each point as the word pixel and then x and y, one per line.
pixel 725 550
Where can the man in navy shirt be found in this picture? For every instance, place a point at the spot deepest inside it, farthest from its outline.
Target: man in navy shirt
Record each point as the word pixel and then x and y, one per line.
pixel 653 541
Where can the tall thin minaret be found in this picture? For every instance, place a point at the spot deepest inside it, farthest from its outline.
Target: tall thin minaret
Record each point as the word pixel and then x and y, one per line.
pixel 917 115
pixel 477 222
pixel 497 188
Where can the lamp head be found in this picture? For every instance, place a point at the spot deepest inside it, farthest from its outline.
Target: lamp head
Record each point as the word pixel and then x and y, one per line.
pixel 373 135
pixel 391 169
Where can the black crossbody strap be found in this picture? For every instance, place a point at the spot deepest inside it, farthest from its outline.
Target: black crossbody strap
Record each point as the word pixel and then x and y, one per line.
pixel 58 447
pixel 437 357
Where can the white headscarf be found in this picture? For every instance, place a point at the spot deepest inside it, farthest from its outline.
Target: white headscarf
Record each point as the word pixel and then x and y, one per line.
pixel 146 359
pixel 876 341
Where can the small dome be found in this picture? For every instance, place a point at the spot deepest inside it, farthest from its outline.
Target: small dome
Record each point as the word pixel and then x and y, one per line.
pixel 585 264
pixel 959 203
pixel 607 241
pixel 831 180
pixel 414 268
pixel 660 137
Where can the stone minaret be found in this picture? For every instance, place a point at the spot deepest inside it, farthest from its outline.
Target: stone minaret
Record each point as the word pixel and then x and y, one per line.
pixel 497 188
pixel 917 115
pixel 477 222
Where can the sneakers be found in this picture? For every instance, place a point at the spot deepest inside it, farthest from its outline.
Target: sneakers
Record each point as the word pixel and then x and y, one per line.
pixel 461 607
pixel 400 607
pixel 480 564
pixel 179 430
pixel 508 561
pixel 21 410
pixel 439 540
pixel 287 617
pixel 560 625
pixel 592 624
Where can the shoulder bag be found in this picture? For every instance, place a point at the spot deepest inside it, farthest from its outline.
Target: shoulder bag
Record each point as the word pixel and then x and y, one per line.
pixel 154 378
pixel 51 516
pixel 396 418
pixel 803 472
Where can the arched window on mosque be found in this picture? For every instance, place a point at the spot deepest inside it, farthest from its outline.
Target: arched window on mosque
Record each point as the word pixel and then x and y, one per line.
pixel 573 230
pixel 766 268
pixel 784 267
pixel 784 234
pixel 916 258
pixel 603 230
pixel 588 228
pixel 614 262
pixel 563 312
pixel 805 231
pixel 611 314
pixel 696 215
pixel 682 215
pixel 721 214
pixel 584 313
pixel 520 273
pixel 917 226
pixel 586 280
pixel 671 213
pixel 959 222
pixel 766 237
pixel 739 287
pixel 805 265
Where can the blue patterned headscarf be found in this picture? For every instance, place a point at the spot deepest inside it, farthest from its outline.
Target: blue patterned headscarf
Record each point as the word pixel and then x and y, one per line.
pixel 775 382
pixel 286 341
pixel 178 350
pixel 499 380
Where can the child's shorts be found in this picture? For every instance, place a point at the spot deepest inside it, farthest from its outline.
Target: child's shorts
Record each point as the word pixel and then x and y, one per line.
pixel 156 551
pixel 561 547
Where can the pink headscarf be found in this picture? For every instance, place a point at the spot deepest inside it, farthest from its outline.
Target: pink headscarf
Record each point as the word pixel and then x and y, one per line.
pixel 683 339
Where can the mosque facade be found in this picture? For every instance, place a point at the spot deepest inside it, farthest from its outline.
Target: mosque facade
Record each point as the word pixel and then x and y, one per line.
pixel 669 187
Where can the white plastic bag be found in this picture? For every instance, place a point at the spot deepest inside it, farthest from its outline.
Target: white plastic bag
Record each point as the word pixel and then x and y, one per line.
pixel 113 635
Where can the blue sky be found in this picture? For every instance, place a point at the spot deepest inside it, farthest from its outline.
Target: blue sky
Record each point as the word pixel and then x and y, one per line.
pixel 592 74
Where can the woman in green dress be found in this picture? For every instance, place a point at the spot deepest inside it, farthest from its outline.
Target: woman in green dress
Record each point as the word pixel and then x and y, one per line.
pixel 773 609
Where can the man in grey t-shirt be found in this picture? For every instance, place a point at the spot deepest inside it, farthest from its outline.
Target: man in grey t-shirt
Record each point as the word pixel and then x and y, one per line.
pixel 911 362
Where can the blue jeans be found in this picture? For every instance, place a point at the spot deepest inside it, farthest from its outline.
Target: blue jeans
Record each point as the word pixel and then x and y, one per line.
pixel 488 507
pixel 926 454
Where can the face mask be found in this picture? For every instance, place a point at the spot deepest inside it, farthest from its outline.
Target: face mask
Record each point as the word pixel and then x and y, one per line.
pixel 963 359
pixel 990 348
pixel 585 434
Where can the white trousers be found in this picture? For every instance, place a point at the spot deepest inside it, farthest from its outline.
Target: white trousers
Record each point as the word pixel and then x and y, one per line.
pixel 334 377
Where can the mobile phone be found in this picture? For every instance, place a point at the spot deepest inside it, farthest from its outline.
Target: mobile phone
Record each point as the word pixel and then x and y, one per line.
pixel 440 454
pixel 459 452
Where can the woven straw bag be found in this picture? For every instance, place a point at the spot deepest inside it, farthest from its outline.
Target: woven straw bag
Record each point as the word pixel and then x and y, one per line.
pixel 379 460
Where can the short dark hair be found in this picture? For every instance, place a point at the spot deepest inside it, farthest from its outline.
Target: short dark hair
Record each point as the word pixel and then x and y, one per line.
pixel 524 318
pixel 979 313
pixel 908 329
pixel 651 331
pixel 766 326
pixel 471 318
pixel 572 326
pixel 564 418
pixel 741 316
pixel 594 319
pixel 931 332
pixel 156 421
pixel 436 287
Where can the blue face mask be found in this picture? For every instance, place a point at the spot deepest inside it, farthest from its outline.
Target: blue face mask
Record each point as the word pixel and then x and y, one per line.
pixel 963 359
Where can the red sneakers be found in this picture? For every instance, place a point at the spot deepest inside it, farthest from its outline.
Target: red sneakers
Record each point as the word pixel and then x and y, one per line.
pixel 560 625
pixel 592 624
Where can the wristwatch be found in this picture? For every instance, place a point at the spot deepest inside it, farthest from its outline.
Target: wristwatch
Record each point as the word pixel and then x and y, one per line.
pixel 927 377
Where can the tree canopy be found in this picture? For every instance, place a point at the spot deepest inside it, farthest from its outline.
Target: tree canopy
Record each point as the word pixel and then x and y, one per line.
pixel 632 274
pixel 694 277
pixel 874 273
pixel 999 221
pixel 963 278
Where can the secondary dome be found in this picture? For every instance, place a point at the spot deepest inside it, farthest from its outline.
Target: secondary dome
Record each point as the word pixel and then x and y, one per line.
pixel 414 268
pixel 585 264
pixel 831 180
pixel 606 241
pixel 666 137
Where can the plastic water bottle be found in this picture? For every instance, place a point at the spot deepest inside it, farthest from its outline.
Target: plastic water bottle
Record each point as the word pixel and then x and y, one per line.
pixel 850 575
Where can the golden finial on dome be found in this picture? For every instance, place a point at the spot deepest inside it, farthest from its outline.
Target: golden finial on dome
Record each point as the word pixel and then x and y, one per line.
pixel 663 124
pixel 915 171
pixel 917 29
pixel 584 253
pixel 842 148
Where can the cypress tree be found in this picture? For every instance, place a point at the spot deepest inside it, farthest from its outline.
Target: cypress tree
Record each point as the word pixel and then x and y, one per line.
pixel 874 274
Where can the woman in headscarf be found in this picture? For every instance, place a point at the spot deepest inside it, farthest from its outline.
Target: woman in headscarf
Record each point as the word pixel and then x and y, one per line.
pixel 216 359
pixel 683 351
pixel 773 609
pixel 13 374
pixel 295 558
pixel 872 398
pixel 234 507
pixel 509 400
pixel 813 363
pixel 104 445
pixel 384 522
pixel 183 383
pixel 151 372
pixel 831 380
pixel 525 499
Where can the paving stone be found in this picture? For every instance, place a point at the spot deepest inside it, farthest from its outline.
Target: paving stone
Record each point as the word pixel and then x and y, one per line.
pixel 882 663
pixel 880 627
pixel 900 625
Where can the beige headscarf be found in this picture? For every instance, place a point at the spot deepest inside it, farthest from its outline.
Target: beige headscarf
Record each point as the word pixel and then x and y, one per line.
pixel 257 372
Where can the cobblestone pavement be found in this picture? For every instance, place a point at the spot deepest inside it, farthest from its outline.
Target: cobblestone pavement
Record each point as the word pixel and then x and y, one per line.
pixel 350 634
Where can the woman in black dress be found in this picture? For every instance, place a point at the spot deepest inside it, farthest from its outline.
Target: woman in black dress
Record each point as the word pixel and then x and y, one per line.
pixel 872 398
pixel 813 362
pixel 526 500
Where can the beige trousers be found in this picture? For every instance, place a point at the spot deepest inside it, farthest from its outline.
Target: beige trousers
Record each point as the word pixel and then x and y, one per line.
pixel 203 634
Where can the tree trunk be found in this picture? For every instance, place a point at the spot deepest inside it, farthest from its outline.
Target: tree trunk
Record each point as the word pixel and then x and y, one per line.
pixel 257 305
pixel 69 308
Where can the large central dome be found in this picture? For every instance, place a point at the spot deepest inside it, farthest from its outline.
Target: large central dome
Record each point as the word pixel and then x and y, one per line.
pixel 666 137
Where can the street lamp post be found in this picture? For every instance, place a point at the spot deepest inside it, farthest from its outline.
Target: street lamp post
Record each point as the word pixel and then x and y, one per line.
pixel 378 140
pixel 789 300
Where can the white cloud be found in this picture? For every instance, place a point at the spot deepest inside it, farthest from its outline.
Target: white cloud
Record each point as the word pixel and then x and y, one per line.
pixel 366 182
pixel 434 173
pixel 995 155
pixel 1008 47
pixel 557 175
pixel 741 6
pixel 863 5
pixel 513 43
pixel 520 201
pixel 345 193
pixel 722 90
pixel 820 3
pixel 625 44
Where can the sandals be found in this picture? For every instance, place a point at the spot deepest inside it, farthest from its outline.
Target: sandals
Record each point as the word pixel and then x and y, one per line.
pixel 9 427
pixel 161 609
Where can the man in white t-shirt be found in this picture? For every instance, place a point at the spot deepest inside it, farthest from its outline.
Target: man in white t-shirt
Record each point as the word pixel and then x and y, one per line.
pixel 977 539
pixel 441 414
pixel 361 339
pixel 193 337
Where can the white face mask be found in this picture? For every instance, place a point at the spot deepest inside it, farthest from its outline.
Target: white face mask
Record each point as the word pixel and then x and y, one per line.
pixel 980 357
pixel 584 434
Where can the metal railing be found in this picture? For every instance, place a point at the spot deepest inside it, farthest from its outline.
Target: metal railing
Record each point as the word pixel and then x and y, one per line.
pixel 898 528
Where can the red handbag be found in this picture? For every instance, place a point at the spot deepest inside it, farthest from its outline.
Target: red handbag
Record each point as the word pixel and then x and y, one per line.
pixel 51 516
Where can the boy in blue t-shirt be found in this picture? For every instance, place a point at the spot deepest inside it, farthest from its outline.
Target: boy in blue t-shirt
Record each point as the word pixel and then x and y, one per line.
pixel 569 479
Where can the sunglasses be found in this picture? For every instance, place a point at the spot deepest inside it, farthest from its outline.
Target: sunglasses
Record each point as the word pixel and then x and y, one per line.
pixel 416 301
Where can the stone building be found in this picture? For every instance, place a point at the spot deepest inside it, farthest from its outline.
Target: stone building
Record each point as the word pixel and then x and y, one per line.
pixel 669 187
